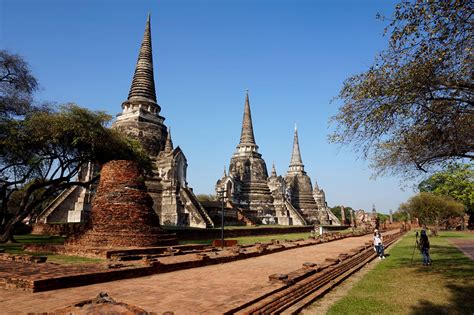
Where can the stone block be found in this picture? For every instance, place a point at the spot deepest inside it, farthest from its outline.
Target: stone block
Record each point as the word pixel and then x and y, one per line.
pixel 227 243
pixel 332 260
pixel 278 277
pixel 309 265
pixel 203 256
pixel 261 248
pixel 343 256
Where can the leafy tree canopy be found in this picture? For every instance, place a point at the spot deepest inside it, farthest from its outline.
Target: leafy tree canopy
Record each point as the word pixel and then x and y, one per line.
pixel 432 209
pixel 400 216
pixel 17 85
pixel 41 154
pixel 457 181
pixel 206 198
pixel 42 148
pixel 414 109
pixel 338 213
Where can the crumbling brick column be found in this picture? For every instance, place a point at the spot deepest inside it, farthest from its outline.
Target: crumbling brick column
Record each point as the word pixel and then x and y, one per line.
pixel 122 213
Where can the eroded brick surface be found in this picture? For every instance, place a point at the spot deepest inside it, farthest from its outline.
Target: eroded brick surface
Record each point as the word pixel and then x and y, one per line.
pixel 207 290
pixel 122 213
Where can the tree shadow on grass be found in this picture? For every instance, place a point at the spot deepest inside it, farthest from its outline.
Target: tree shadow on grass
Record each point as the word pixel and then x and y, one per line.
pixel 457 270
pixel 451 263
pixel 461 302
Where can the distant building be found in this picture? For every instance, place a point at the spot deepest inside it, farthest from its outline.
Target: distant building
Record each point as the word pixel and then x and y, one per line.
pixel 271 200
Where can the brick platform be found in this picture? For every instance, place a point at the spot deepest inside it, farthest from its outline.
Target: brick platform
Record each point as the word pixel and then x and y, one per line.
pixel 137 262
pixel 211 289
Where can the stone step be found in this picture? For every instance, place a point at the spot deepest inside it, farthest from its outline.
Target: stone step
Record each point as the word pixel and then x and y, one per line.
pixel 82 206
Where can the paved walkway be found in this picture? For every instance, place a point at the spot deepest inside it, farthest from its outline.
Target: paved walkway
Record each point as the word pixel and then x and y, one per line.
pixel 210 290
pixel 464 245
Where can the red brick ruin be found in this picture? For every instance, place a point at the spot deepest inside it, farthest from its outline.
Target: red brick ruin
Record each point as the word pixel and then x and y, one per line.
pixel 122 213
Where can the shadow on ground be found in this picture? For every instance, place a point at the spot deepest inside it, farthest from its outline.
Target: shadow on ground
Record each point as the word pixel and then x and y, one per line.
pixel 458 273
pixel 461 302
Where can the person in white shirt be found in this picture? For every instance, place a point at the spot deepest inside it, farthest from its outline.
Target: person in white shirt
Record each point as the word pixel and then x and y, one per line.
pixel 378 244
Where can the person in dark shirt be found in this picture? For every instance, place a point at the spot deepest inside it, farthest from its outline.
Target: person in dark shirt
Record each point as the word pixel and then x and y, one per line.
pixel 425 248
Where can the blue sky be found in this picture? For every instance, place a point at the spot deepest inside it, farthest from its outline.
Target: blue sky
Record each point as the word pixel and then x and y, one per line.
pixel 292 55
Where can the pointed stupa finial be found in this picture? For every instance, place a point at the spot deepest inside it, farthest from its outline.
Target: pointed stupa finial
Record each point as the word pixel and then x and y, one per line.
pixel 274 172
pixel 225 171
pixel 247 136
pixel 296 155
pixel 169 142
pixel 316 186
pixel 143 83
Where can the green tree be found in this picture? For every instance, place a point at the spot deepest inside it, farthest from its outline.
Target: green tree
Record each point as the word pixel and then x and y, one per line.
pixel 337 212
pixel 42 154
pixel 457 181
pixel 414 108
pixel 432 209
pixel 383 217
pixel 400 216
pixel 43 148
pixel 17 86
pixel 206 198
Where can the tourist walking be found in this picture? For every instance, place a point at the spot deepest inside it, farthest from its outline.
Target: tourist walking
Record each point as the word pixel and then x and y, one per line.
pixel 425 248
pixel 378 244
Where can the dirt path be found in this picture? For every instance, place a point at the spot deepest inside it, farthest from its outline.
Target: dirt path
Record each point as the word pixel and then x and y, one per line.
pixel 464 245
pixel 209 290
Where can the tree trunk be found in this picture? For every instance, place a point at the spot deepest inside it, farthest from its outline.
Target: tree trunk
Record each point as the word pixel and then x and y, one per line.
pixel 25 208
pixel 7 235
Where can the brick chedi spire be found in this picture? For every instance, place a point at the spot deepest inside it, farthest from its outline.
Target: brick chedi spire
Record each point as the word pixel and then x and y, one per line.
pixel 247 138
pixel 169 142
pixel 296 164
pixel 143 83
pixel 248 173
pixel 140 116
pixel 274 172
pixel 300 186
pixel 316 186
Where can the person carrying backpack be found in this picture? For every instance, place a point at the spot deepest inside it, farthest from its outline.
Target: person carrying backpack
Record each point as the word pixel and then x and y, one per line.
pixel 378 244
pixel 425 248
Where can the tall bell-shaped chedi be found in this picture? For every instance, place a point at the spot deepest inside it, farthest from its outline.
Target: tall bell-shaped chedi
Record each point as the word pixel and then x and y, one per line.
pixel 140 115
pixel 299 186
pixel 246 183
pixel 174 202
pixel 310 203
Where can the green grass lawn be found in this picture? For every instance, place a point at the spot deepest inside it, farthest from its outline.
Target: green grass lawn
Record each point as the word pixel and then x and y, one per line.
pixel 395 286
pixel 227 227
pixel 247 240
pixel 16 248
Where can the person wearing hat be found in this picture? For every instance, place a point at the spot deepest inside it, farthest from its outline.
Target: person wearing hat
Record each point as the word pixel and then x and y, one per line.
pixel 378 244
pixel 425 248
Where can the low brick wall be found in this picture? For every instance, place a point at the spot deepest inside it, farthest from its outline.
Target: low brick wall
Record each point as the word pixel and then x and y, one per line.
pixel 205 234
pixel 199 259
pixel 58 229
pixel 66 229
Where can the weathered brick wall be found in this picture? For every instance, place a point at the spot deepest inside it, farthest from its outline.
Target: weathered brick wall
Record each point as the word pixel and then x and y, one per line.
pixel 203 234
pixel 122 213
pixel 58 229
